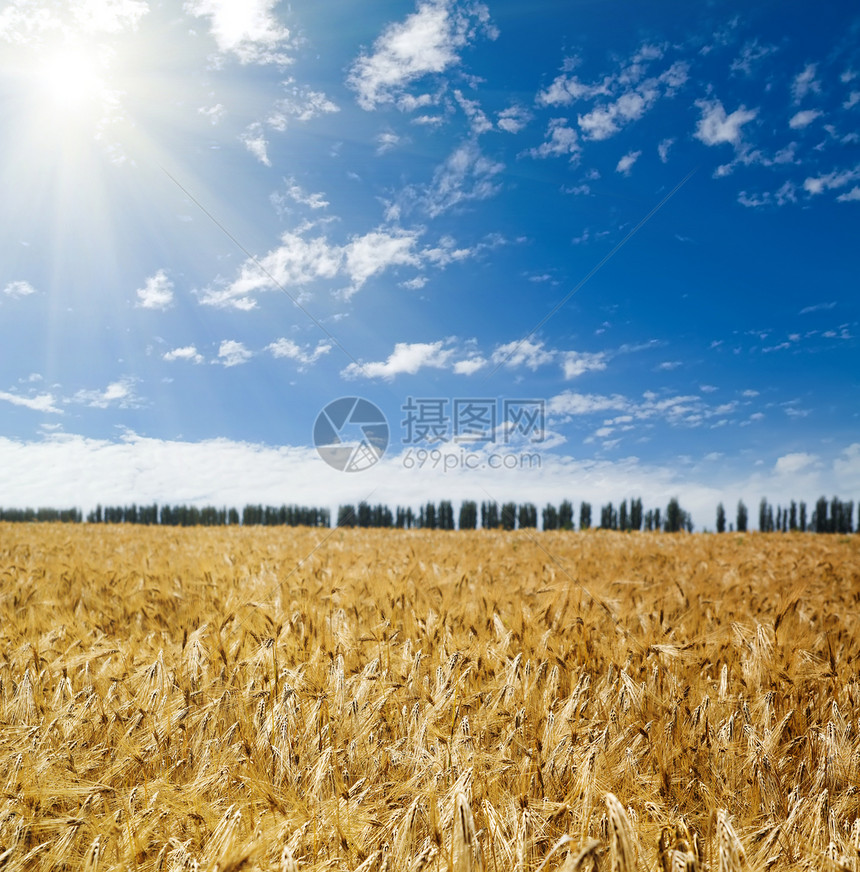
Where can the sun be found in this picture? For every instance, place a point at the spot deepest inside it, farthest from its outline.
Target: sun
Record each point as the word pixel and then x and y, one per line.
pixel 71 77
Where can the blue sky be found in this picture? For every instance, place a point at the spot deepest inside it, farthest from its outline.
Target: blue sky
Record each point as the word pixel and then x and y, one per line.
pixel 219 215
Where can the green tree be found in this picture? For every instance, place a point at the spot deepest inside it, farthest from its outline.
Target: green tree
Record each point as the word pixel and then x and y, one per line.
pixel 608 517
pixel 584 516
pixel 820 521
pixel 636 514
pixel 549 516
pixel 490 515
pixel 675 520
pixel 527 516
pixel 346 516
pixel 742 517
pixel 721 518
pixel 445 516
pixel 762 515
pixel 565 515
pixel 468 519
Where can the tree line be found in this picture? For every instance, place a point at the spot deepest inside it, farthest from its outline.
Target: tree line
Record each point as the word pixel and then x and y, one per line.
pixel 825 516
pixel 491 515
pixel 179 516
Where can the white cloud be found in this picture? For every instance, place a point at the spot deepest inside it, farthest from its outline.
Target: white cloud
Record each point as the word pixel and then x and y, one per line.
pixel 677 411
pixel 470 365
pixel 851 196
pixel 465 175
pixel 157 292
pixel 790 464
pixel 84 472
pixel 748 156
pixel 38 403
pixel 578 190
pixel 847 466
pixel 445 252
pixel 27 23
pixel 119 393
pixel 805 83
pixel 233 353
pixel 750 54
pixel 301 104
pixel 804 118
pixel 632 96
pixel 567 89
pixel 406 358
pixel 429 120
pixel 108 16
pixel 409 102
pixel 299 261
pixel 247 29
pixel 571 403
pixel 367 255
pixel 787 193
pixel 513 119
pixel 625 165
pixel 715 127
pixel 852 101
pixel 426 42
pixel 560 140
pixel 293 351
pixel 836 179
pixel 669 365
pixel 385 141
pixel 605 121
pixel 213 113
pixel 818 307
pixel 414 284
pixel 294 263
pixel 522 352
pixel 663 149
pixel 87 471
pixel 254 139
pixel 187 352
pixel 293 191
pixel 19 289
pixel 440 355
pixel 577 363
pixel 74 470
pixel 478 120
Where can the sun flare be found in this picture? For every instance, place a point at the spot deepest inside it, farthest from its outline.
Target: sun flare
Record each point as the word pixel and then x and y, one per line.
pixel 72 77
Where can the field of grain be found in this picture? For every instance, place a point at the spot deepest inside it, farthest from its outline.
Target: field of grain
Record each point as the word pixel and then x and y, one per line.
pixel 296 699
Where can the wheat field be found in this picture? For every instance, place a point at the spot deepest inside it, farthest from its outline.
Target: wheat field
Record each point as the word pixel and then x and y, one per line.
pixel 300 699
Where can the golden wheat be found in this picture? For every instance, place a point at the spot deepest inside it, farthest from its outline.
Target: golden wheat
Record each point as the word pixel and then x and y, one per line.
pixel 296 699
